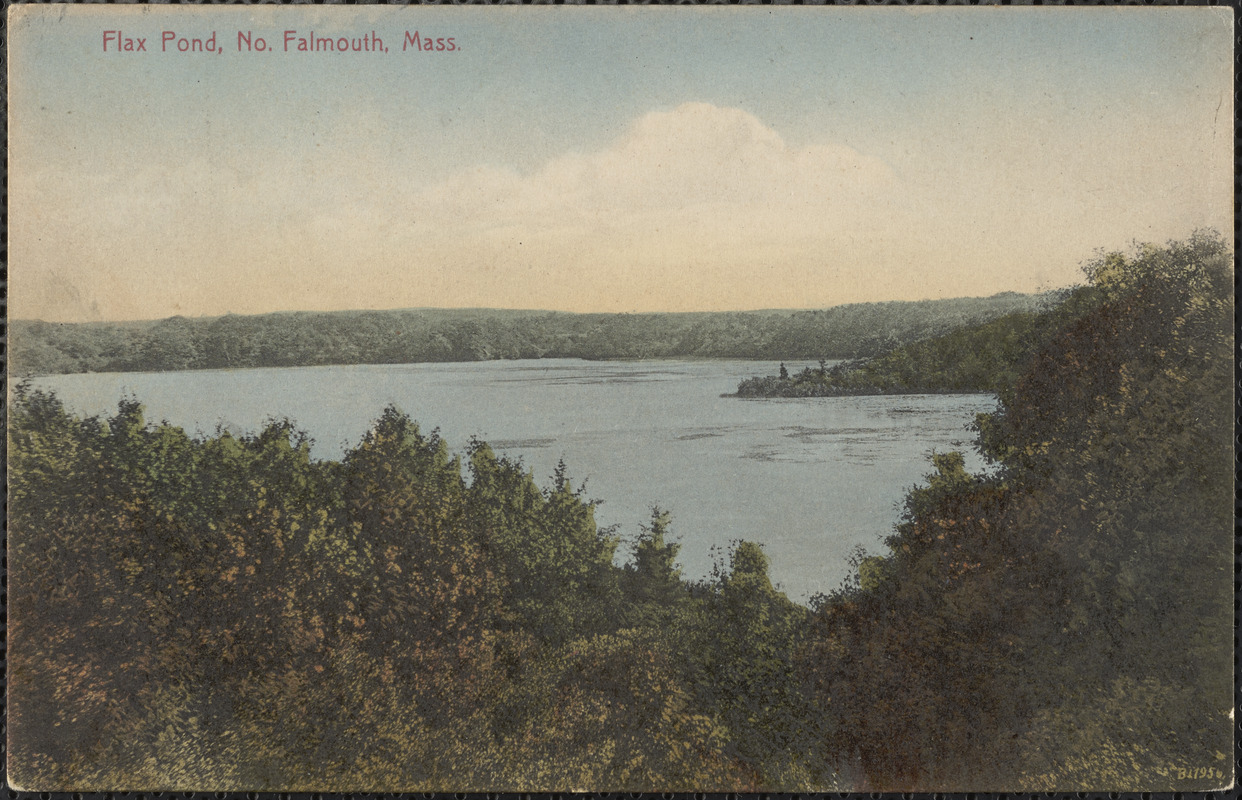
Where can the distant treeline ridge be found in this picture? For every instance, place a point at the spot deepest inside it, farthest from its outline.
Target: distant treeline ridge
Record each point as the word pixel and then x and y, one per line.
pixel 984 357
pixel 294 339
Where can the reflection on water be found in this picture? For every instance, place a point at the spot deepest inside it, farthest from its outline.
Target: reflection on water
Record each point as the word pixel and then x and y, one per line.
pixel 810 478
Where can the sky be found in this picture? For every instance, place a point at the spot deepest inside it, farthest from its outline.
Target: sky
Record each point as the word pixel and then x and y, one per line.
pixel 601 159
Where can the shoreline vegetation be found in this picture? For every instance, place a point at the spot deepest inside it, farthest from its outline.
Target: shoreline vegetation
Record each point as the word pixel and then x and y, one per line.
pixel 295 339
pixel 227 613
pixel 985 357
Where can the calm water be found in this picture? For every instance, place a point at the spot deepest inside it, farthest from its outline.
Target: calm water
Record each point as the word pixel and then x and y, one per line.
pixel 809 478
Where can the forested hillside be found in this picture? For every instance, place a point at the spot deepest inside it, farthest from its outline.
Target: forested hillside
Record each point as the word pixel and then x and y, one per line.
pixel 1064 622
pixel 981 357
pixel 228 613
pixel 419 335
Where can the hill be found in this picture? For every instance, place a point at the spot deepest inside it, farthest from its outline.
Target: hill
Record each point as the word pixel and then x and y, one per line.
pixel 289 339
pixel 984 357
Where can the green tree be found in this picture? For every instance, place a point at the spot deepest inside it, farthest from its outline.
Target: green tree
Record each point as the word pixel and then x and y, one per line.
pixel 555 561
pixel 748 676
pixel 1086 577
pixel 653 586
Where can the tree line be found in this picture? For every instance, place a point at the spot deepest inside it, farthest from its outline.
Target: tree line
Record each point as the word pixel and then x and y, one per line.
pixel 981 357
pixel 299 339
pixel 227 612
pixel 1063 622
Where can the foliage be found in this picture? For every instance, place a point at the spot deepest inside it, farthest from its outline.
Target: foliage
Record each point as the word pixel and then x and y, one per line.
pixel 1062 622
pixel 746 674
pixel 227 612
pixel 418 335
pixel 974 358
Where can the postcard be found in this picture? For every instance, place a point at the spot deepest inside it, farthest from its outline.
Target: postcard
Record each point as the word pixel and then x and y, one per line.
pixel 699 399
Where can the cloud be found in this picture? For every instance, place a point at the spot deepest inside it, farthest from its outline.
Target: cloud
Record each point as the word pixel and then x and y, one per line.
pixel 699 206
pixel 696 156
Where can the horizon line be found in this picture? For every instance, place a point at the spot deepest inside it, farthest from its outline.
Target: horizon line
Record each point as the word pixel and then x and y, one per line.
pixel 399 309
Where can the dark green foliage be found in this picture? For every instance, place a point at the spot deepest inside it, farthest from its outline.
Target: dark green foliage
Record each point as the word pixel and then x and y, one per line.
pixel 407 336
pixel 754 633
pixel 1063 622
pixel 229 613
pixel 652 582
pixel 555 565
pixel 976 358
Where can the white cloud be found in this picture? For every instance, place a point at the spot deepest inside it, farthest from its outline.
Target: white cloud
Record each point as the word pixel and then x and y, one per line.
pixel 696 207
pixel 696 156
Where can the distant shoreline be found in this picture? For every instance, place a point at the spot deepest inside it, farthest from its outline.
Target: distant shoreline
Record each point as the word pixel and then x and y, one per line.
pixel 291 339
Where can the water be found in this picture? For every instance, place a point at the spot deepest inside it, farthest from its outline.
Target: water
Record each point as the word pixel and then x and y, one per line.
pixel 808 478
